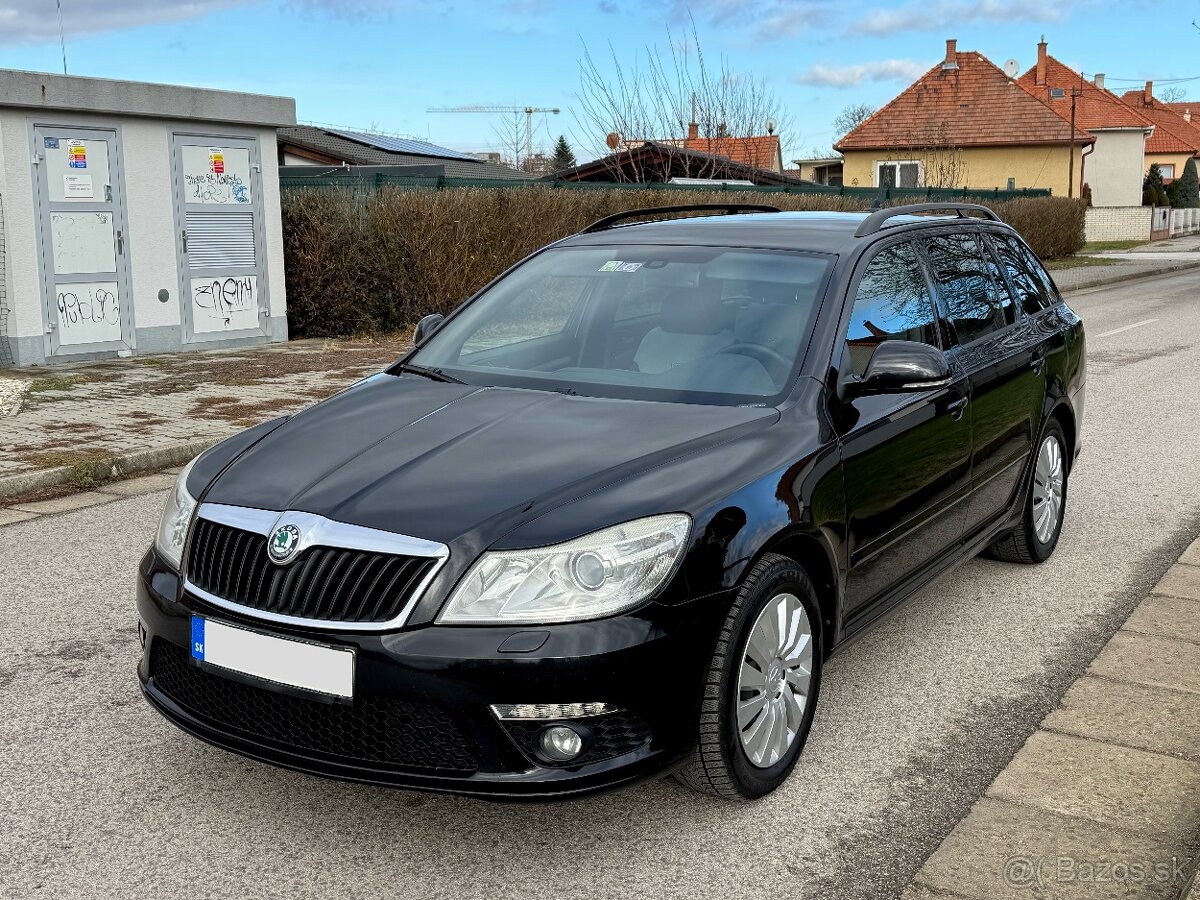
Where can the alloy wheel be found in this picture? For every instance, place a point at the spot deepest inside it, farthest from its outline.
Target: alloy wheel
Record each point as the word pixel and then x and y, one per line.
pixel 1048 480
pixel 773 686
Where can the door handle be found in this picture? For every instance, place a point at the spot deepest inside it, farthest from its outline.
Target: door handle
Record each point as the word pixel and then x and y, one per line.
pixel 956 407
pixel 120 242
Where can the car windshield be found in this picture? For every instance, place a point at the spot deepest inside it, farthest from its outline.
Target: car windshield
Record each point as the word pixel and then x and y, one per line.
pixel 686 324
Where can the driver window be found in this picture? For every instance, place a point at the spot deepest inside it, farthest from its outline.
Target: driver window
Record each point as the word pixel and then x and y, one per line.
pixel 893 303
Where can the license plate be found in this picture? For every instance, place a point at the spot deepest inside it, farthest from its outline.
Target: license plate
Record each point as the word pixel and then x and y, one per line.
pixel 298 664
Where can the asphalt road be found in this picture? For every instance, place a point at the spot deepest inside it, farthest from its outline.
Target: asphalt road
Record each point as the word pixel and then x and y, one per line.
pixel 99 797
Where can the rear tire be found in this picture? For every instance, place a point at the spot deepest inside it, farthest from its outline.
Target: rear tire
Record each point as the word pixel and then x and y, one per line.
pixel 1044 506
pixel 761 691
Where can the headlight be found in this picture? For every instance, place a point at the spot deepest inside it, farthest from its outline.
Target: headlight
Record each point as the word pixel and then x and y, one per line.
pixel 596 575
pixel 176 515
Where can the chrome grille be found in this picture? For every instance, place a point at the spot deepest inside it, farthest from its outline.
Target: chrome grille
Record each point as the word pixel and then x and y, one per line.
pixel 322 584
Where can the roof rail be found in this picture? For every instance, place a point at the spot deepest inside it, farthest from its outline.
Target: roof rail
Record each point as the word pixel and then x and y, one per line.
pixel 729 208
pixel 875 221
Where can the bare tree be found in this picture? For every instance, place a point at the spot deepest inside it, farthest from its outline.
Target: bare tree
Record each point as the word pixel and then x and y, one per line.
pixel 659 96
pixel 510 139
pixel 1172 95
pixel 936 160
pixel 850 118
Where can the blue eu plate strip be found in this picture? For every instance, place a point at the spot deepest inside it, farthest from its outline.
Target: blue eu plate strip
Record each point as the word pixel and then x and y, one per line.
pixel 197 637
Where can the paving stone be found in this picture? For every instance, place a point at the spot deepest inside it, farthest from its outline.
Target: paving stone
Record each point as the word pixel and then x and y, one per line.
pixel 8 515
pixel 1151 660
pixel 1132 715
pixel 146 484
pixel 1117 786
pixel 1005 851
pixel 1180 581
pixel 1172 617
pixel 65 504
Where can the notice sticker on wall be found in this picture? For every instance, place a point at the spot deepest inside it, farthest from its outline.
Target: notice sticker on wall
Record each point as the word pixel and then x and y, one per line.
pixel 77 155
pixel 78 187
pixel 51 143
pixel 216 160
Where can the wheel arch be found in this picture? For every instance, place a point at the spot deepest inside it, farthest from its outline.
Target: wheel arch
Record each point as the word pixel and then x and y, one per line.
pixel 1065 416
pixel 811 551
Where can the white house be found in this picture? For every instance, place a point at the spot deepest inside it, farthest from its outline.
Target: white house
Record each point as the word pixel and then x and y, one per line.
pixel 136 218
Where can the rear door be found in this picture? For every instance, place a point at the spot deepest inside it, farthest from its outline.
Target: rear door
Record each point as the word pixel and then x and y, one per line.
pixel 1002 354
pixel 905 457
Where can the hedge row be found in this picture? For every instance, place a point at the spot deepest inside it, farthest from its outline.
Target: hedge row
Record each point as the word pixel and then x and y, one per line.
pixel 361 262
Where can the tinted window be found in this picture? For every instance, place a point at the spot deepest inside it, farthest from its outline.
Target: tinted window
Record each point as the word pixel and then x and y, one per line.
pixel 972 299
pixel 1051 295
pixel 1030 291
pixel 892 304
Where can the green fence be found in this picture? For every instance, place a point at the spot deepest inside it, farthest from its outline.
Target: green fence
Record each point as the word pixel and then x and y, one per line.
pixel 369 183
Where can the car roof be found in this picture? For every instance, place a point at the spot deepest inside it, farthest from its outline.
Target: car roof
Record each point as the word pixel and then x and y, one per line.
pixel 822 232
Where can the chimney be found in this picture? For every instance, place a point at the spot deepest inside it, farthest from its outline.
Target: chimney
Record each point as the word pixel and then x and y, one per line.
pixel 1040 77
pixel 1099 80
pixel 693 131
pixel 951 51
pixel 1148 97
pixel 1187 115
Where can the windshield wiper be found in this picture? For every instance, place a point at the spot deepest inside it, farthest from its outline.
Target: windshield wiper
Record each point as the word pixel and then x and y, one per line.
pixel 431 374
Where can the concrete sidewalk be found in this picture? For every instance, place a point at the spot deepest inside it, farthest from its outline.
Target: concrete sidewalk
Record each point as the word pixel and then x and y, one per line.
pixel 1103 801
pixel 82 424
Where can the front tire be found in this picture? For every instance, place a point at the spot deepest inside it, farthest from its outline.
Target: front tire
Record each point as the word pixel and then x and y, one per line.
pixel 762 685
pixel 1045 504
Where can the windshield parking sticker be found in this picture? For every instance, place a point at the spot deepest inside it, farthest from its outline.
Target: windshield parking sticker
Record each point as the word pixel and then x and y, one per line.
pixel 615 265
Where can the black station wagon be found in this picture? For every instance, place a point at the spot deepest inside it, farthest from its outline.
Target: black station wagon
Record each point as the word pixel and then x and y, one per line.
pixel 609 518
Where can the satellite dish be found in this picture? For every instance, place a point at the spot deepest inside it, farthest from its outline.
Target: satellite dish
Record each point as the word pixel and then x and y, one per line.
pixel 613 140
pixel 1011 68
pixel 771 125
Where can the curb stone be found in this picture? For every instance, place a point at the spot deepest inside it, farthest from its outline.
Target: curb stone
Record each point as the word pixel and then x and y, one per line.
pixel 1102 281
pixel 1103 800
pixel 112 467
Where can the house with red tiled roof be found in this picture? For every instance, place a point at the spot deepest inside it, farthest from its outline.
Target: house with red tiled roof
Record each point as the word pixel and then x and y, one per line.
pixel 1176 137
pixel 1114 166
pixel 761 151
pixel 966 124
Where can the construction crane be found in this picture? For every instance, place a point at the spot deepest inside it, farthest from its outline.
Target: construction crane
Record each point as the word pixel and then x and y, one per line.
pixel 528 110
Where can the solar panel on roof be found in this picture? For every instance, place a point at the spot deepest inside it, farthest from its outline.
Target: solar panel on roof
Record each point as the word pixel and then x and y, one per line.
pixel 401 145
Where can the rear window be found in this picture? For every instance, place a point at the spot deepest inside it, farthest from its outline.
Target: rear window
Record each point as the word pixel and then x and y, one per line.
pixel 1033 292
pixel 974 301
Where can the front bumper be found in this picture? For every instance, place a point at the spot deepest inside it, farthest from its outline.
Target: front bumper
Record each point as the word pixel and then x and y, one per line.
pixel 421 714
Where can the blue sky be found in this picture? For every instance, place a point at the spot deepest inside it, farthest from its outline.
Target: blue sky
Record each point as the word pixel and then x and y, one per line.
pixel 380 63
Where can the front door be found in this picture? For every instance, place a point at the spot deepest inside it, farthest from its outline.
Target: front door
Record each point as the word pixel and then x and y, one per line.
pixel 905 457
pixel 84 248
pixel 220 238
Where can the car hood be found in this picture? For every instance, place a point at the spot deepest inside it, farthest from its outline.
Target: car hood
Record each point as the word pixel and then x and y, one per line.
pixel 450 462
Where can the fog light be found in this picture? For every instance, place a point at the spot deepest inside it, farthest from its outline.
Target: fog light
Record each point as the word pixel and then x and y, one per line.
pixel 560 743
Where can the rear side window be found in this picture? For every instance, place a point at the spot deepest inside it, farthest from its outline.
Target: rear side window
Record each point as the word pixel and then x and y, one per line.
pixel 892 304
pixel 974 301
pixel 1035 265
pixel 1031 291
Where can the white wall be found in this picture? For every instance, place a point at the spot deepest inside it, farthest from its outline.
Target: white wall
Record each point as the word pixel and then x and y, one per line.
pixel 1115 167
pixel 1117 223
pixel 150 242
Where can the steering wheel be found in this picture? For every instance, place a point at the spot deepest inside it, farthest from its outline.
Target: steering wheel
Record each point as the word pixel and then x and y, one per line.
pixel 776 364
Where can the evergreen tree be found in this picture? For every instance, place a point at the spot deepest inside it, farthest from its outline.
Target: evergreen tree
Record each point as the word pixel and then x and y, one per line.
pixel 1154 192
pixel 1189 186
pixel 564 157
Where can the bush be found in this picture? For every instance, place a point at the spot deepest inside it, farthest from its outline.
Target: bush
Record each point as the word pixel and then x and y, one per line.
pixel 361 261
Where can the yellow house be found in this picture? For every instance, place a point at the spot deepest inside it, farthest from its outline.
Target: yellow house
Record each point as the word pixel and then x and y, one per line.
pixel 965 124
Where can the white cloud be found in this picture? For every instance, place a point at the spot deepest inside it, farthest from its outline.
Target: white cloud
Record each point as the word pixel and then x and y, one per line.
pixel 938 15
pixel 28 21
pixel 822 75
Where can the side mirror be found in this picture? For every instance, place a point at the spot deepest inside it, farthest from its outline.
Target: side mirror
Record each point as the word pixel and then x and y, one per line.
pixel 426 327
pixel 898 367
